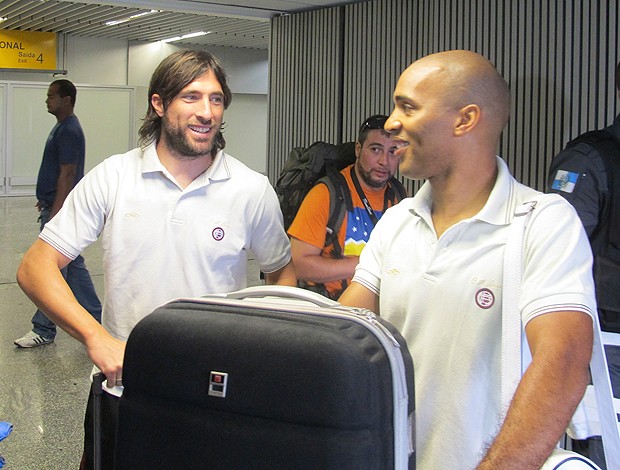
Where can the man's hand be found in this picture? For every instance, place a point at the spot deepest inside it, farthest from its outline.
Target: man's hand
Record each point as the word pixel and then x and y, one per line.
pixel 107 354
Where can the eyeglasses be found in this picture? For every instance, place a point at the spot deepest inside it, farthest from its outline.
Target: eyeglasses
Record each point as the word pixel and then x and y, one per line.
pixel 374 122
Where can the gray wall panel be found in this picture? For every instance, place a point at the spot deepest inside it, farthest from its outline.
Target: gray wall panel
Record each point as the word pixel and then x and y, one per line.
pixel 304 88
pixel 557 56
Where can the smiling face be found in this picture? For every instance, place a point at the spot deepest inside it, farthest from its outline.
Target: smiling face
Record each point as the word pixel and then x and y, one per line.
pixel 376 162
pixel 193 119
pixel 421 122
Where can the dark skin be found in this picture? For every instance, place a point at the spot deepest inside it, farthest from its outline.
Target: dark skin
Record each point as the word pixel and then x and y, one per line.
pixel 61 107
pixel 453 147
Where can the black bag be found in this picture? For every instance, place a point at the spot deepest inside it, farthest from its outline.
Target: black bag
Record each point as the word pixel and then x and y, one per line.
pixel 229 382
pixel 303 169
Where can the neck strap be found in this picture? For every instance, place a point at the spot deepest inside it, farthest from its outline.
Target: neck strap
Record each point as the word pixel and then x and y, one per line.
pixel 362 195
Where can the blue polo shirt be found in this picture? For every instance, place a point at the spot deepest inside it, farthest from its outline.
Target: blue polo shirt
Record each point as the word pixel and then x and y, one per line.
pixel 65 145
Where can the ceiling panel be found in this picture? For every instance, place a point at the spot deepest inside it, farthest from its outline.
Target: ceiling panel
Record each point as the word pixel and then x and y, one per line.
pixel 242 24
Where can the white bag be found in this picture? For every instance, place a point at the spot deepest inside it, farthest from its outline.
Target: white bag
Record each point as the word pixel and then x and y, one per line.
pixel 562 459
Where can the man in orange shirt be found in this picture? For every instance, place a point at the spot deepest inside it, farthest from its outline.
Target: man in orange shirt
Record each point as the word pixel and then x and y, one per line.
pixel 372 187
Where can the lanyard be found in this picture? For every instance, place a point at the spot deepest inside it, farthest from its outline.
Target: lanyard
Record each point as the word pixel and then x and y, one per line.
pixel 367 206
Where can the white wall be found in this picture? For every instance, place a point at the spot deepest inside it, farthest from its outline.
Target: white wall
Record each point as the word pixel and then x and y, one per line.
pixel 247 69
pixel 247 116
pixel 96 61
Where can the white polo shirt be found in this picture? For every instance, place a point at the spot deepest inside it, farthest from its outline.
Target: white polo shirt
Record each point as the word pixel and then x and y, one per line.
pixel 445 297
pixel 162 242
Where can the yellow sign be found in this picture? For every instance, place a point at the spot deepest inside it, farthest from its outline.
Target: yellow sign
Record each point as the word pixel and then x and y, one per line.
pixel 27 50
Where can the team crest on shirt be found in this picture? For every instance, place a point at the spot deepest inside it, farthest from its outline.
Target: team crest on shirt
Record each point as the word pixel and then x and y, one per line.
pixel 218 233
pixel 565 181
pixel 485 298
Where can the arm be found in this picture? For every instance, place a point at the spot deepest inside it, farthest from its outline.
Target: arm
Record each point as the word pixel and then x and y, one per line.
pixel 40 278
pixel 356 295
pixel 311 266
pixel 546 398
pixel 282 277
pixel 590 190
pixel 64 185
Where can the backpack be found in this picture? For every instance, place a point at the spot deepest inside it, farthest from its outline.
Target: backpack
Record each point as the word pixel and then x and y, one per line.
pixel 303 169
pixel 321 164
pixel 605 239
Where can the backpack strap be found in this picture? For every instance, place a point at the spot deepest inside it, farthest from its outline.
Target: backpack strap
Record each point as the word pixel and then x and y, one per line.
pixel 395 191
pixel 339 203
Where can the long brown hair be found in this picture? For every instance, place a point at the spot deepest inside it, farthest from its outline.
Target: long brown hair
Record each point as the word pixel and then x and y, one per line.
pixel 173 74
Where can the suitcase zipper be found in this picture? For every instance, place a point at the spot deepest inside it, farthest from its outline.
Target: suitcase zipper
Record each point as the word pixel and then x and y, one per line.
pixel 404 444
pixel 384 335
pixel 371 317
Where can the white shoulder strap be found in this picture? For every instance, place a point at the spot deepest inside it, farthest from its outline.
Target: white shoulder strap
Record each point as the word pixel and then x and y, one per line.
pixel 511 318
pixel 605 400
pixel 512 366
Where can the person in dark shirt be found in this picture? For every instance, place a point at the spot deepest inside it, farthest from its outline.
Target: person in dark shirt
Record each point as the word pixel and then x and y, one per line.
pixel 61 168
pixel 581 175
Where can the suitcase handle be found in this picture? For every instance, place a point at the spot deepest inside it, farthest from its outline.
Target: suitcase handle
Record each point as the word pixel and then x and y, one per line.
pixel 283 291
pixel 98 380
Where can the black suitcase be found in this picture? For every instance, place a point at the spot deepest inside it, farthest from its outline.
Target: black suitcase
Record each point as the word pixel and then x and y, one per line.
pixel 257 380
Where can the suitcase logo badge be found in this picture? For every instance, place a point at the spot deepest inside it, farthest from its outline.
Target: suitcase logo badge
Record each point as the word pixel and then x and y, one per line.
pixel 217 384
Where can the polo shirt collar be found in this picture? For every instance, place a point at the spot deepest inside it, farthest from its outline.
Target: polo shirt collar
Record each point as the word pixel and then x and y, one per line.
pixel 498 209
pixel 150 160
pixel 218 170
pixel 501 203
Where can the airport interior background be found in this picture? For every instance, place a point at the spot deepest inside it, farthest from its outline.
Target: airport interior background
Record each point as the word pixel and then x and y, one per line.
pixel 325 70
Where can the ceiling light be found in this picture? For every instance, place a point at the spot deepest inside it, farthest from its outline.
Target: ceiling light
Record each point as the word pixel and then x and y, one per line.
pixel 186 36
pixel 3 19
pixel 129 18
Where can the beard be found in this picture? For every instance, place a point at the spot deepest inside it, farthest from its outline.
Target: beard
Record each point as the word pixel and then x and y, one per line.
pixel 366 177
pixel 178 142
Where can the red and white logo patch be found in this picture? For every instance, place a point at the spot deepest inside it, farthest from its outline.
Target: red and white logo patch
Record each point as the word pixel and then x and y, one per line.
pixel 485 298
pixel 218 234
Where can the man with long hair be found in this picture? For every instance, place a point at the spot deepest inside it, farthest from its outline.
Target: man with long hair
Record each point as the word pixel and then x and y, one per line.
pixel 177 218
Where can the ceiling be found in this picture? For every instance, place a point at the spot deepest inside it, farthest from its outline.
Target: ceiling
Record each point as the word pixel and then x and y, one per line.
pixel 233 23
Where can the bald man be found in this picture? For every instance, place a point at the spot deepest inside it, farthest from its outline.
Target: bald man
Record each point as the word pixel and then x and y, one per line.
pixel 433 268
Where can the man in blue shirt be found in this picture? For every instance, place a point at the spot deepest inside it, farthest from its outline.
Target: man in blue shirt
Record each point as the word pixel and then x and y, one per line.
pixel 61 168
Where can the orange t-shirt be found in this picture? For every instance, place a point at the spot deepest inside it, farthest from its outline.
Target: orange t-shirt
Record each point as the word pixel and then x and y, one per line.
pixel 310 224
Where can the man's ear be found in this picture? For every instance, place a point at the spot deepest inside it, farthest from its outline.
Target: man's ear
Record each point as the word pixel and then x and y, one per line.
pixel 468 117
pixel 158 104
pixel 358 149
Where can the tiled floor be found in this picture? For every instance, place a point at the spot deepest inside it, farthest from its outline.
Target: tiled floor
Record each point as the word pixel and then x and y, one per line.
pixel 43 391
